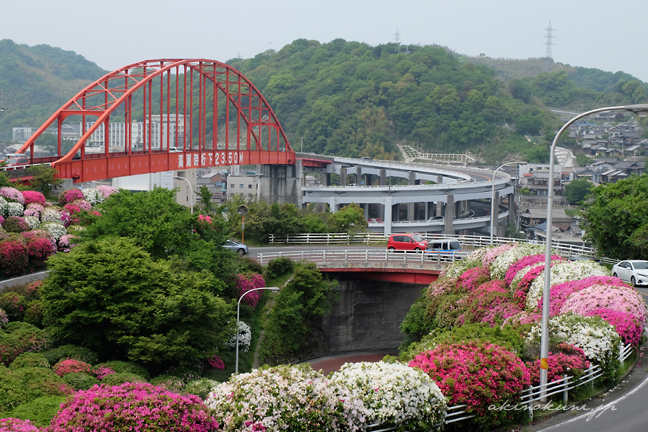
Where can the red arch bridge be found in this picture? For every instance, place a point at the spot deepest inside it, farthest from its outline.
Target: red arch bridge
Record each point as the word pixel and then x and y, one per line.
pixel 161 115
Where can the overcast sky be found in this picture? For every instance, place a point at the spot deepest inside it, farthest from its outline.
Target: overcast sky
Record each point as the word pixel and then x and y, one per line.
pixel 592 33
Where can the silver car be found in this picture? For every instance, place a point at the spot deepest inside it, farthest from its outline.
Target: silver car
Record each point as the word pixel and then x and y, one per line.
pixel 633 271
pixel 237 247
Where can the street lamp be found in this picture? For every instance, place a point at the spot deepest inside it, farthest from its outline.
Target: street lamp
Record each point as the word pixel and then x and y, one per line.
pixel 190 189
pixel 493 215
pixel 642 111
pixel 238 310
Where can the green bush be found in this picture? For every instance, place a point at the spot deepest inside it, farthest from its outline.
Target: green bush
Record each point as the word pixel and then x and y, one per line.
pixel 278 267
pixel 121 378
pixel 40 411
pixel 169 382
pixel 80 380
pixel 250 265
pixel 71 352
pixel 201 387
pixel 11 394
pixel 126 367
pixel 37 382
pixel 34 313
pixel 30 360
pixel 14 305
pixel 9 348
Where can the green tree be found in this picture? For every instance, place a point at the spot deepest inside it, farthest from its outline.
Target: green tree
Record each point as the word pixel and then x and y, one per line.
pixel 349 218
pixel 578 190
pixel 44 178
pixel 109 295
pixel 205 197
pixel 616 219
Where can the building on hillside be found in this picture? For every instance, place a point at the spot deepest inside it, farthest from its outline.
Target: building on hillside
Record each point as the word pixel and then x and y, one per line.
pixel 535 177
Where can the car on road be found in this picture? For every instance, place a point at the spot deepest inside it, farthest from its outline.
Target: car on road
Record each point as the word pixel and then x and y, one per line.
pixel 406 242
pixel 436 219
pixel 446 245
pixel 633 271
pixel 17 161
pixel 375 220
pixel 237 247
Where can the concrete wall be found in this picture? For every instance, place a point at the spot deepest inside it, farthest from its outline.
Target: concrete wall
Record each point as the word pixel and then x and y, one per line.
pixel 368 314
pixel 280 183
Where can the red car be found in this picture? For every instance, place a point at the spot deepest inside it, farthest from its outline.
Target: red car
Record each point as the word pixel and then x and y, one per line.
pixel 17 161
pixel 406 242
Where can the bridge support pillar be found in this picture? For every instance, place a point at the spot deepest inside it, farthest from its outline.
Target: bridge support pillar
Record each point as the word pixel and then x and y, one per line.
pixel 368 179
pixel 449 215
pixel 358 175
pixel 439 179
pixel 326 179
pixel 411 177
pixel 511 209
pixel 281 184
pixel 410 211
pixel 343 177
pixel 383 177
pixel 439 208
pixel 387 217
pixel 495 216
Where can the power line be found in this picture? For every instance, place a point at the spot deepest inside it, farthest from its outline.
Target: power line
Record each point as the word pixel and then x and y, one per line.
pixel 548 44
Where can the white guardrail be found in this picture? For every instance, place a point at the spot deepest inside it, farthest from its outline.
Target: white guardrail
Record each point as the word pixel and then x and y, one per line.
pixel 364 256
pixel 368 238
pixel 532 394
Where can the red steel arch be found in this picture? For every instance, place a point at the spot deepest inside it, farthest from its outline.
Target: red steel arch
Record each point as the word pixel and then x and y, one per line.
pixel 194 113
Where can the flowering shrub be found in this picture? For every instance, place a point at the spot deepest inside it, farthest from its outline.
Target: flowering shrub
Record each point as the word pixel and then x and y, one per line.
pixel 35 206
pixel 106 191
pixel 102 371
pixel 169 383
pixel 293 398
pixel 17 425
pixel 617 298
pixel 3 206
pixel 441 286
pixel 246 282
pixel 12 195
pixel 449 310
pixel 216 363
pixel 40 233
pixel 527 261
pixel 67 366
pixel 504 260
pixel 473 278
pixel 478 375
pixel 522 318
pixel 245 337
pixel 14 209
pixel 14 257
pixel 490 303
pixel 2 219
pixel 65 243
pixel 204 219
pixel 598 339
pixel 562 272
pixel 81 204
pixel 134 407
pixel 13 304
pixel 4 319
pixel 569 360
pixel 16 224
pixel 69 196
pixel 50 214
pixel 73 209
pixel 458 268
pixel 92 195
pixel 39 250
pixel 32 222
pixel 394 394
pixel 493 253
pixel 33 197
pixel 55 228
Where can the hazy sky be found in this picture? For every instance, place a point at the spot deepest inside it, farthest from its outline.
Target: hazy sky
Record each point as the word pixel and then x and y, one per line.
pixel 592 33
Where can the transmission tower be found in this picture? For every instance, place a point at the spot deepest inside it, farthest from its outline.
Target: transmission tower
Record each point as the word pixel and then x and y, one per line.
pixel 548 43
pixel 397 37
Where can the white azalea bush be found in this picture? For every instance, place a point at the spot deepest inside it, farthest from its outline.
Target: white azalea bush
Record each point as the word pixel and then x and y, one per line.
pixel 32 221
pixel 504 260
pixel 597 338
pixel 291 398
pixel 3 207
pixel 563 271
pixel 50 214
pixel 55 228
pixel 245 338
pixel 394 394
pixel 92 195
pixel 15 209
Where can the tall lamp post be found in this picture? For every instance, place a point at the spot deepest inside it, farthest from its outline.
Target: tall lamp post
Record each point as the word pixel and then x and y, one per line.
pixel 238 311
pixel 190 189
pixel 642 111
pixel 493 215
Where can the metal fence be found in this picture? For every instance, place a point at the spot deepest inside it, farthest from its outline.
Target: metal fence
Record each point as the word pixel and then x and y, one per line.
pixel 364 256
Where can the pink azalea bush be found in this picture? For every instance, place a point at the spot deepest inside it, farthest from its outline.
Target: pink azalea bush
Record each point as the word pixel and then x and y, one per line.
pixel 246 282
pixel 17 425
pixel 626 324
pixel 476 374
pixel 525 262
pixel 493 253
pixel 490 303
pixel 12 194
pixel 569 360
pixel 2 219
pixel 106 191
pixel 33 197
pixel 618 298
pixel 65 243
pixel 14 257
pixel 102 372
pixel 81 203
pixel 472 278
pixel 39 249
pixel 137 407
pixel 70 195
pixel 69 366
pixel 216 363
pixel 441 286
pixel 561 292
pixel 522 318
pixel 15 224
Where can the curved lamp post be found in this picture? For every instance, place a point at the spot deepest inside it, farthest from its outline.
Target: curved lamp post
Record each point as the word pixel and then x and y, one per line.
pixel 642 111
pixel 493 215
pixel 190 189
pixel 238 310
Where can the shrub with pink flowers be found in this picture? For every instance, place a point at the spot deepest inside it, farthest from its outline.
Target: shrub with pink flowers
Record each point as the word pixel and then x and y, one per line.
pixel 16 224
pixel 478 375
pixel 491 303
pixel 65 243
pixel 493 253
pixel 17 425
pixel 2 219
pixel 102 371
pixel 33 197
pixel 72 208
pixel 106 191
pixel 472 278
pixel 618 298
pixel 568 360
pixel 81 204
pixel 134 407
pixel 14 257
pixel 69 366
pixel 249 281
pixel 561 292
pixel 39 250
pixel 12 195
pixel 626 324
pixel 526 262
pixel 216 363
pixel 70 195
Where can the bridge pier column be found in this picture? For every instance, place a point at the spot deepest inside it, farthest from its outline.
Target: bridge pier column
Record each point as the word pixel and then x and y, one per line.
pixel 368 179
pixel 440 211
pixel 358 175
pixel 411 177
pixel 388 209
pixel 495 216
pixel 439 179
pixel 325 179
pixel 511 209
pixel 343 177
pixel 449 215
pixel 383 177
pixel 410 212
pixel 332 204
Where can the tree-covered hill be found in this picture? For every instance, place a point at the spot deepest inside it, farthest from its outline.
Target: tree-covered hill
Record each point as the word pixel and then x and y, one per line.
pixel 35 81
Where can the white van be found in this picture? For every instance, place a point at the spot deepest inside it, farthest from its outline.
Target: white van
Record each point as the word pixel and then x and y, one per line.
pixel 443 245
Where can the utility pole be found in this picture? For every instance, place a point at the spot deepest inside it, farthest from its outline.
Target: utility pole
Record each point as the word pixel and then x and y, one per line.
pixel 548 44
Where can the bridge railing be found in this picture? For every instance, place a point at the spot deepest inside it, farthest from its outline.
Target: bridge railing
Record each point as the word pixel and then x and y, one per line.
pixel 364 256
pixel 368 238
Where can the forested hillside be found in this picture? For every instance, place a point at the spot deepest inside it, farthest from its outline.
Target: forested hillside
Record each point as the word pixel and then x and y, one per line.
pixel 35 81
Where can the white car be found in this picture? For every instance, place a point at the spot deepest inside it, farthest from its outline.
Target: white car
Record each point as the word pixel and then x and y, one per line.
pixel 633 271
